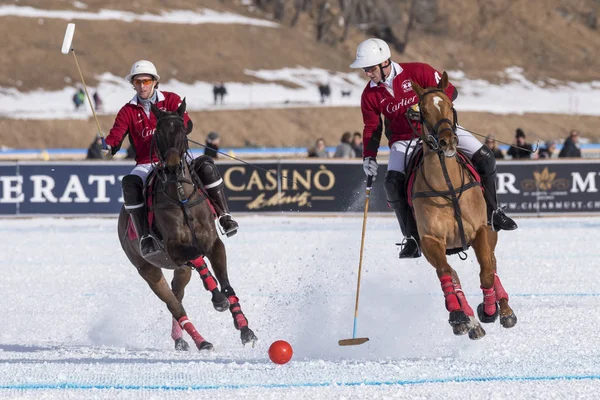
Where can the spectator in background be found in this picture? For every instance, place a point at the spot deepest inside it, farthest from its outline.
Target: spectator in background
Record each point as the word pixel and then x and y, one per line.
pixel 571 147
pixel 324 91
pixel 550 150
pixel 357 144
pixel 95 150
pixel 213 141
pixel 78 99
pixel 319 150
pixel 490 142
pixel 97 101
pixel 344 149
pixel 520 149
pixel 219 92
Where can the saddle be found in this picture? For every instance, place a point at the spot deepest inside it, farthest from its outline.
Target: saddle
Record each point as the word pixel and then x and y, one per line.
pixel 149 195
pixel 413 166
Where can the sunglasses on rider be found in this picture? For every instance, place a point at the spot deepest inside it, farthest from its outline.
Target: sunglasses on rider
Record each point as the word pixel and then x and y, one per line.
pixel 373 67
pixel 370 69
pixel 140 82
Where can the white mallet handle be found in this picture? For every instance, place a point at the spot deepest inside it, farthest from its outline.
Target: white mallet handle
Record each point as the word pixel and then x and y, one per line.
pixel 66 47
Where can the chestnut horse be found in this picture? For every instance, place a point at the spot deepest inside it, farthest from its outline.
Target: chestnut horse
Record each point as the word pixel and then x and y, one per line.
pixel 450 213
pixel 184 220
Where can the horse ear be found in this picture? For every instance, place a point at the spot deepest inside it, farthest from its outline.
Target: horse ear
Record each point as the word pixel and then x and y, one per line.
pixel 181 108
pixel 156 111
pixel 417 88
pixel 443 84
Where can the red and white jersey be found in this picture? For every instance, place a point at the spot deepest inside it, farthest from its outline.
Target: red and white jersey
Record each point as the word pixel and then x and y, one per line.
pixel 391 100
pixel 132 120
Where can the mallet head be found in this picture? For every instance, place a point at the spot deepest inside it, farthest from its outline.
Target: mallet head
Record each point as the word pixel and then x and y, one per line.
pixel 66 47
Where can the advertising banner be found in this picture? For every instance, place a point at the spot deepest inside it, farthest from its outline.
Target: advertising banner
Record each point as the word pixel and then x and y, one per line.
pixel 79 188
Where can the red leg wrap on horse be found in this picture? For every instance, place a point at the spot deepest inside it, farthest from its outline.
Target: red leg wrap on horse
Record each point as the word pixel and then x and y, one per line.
pixel 489 301
pixel 452 303
pixel 199 262
pixel 176 332
pixel 207 279
pixel 239 320
pixel 190 329
pixel 464 305
pixel 500 292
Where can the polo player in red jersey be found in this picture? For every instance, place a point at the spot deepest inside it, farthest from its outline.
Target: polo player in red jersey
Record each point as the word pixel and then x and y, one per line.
pixel 389 105
pixel 136 120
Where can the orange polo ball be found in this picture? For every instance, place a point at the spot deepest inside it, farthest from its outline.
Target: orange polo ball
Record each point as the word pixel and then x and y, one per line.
pixel 280 352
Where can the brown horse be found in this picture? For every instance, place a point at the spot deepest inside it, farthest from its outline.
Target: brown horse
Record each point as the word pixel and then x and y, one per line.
pixel 450 213
pixel 184 220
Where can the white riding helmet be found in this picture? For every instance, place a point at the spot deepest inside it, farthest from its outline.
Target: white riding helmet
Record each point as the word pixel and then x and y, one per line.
pixel 142 67
pixel 371 52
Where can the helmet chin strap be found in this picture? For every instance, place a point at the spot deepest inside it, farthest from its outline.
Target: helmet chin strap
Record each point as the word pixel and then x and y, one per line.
pixel 383 77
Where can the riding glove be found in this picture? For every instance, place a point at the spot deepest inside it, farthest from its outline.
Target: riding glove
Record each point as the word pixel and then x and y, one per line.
pixel 370 166
pixel 107 151
pixel 414 113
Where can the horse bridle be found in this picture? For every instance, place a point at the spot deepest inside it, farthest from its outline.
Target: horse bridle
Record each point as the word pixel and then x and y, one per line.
pixel 452 194
pixel 178 178
pixel 433 139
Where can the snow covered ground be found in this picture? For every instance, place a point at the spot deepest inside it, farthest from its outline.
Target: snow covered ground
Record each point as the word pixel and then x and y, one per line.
pixel 76 321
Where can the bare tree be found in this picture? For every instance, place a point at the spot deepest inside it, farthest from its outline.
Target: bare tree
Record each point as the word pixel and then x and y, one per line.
pixel 279 12
pixel 392 21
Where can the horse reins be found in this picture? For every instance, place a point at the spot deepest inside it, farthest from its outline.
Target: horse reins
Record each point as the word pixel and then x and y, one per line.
pixel 182 201
pixel 432 141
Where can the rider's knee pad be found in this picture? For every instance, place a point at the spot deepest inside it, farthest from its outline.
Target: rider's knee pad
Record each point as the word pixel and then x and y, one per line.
pixel 207 172
pixel 484 161
pixel 133 188
pixel 394 184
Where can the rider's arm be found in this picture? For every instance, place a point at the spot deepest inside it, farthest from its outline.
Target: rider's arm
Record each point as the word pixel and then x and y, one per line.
pixel 118 131
pixel 373 126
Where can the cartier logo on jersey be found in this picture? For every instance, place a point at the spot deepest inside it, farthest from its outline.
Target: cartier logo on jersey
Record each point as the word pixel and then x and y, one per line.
pixel 392 108
pixel 146 132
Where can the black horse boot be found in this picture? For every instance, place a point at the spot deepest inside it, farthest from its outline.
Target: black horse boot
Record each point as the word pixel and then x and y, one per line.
pixel 485 163
pixel 396 196
pixel 210 177
pixel 133 197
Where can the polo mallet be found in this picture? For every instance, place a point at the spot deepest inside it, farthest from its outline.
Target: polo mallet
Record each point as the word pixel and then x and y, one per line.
pixel 66 48
pixel 356 341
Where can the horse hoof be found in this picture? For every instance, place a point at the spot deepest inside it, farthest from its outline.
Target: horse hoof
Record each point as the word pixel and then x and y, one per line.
pixel 205 345
pixel 459 330
pixel 181 345
pixel 508 321
pixel 220 302
pixel 248 336
pixel 483 317
pixel 476 333
pixel 459 321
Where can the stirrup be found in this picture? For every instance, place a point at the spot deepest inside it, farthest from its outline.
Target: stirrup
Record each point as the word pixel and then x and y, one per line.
pixel 408 240
pixel 230 232
pixel 500 211
pixel 155 244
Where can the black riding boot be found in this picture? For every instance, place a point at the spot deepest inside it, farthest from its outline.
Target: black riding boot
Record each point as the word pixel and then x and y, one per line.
pixel 217 196
pixel 133 197
pixel 396 195
pixel 485 163
pixel 211 179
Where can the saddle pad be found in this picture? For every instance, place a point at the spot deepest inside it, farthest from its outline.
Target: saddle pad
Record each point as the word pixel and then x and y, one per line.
pixel 149 193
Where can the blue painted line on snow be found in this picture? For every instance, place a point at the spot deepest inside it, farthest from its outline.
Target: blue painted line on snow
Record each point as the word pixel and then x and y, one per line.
pixel 555 295
pixel 77 386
